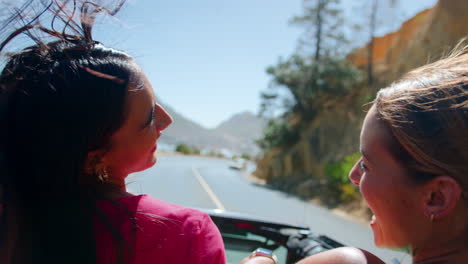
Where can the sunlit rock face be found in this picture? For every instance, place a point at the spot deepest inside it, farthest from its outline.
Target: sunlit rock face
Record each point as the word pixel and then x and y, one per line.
pixel 430 34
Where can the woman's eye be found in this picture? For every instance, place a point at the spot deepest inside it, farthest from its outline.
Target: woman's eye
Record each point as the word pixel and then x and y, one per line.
pixel 362 166
pixel 153 118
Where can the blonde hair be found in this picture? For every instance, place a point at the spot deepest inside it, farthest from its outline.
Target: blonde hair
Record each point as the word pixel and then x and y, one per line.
pixel 427 113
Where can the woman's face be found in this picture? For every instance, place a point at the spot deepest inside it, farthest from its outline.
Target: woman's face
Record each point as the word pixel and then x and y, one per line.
pixel 385 185
pixel 133 146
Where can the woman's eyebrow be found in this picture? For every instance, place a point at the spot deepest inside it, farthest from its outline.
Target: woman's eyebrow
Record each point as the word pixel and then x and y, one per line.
pixel 364 153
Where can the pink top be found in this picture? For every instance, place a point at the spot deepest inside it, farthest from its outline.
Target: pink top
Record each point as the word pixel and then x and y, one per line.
pixel 160 233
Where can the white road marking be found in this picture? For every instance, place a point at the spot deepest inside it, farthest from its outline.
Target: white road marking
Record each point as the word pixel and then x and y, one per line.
pixel 208 190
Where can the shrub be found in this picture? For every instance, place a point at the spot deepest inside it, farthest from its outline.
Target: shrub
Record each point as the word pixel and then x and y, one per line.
pixel 278 134
pixel 337 173
pixel 184 149
pixel 246 156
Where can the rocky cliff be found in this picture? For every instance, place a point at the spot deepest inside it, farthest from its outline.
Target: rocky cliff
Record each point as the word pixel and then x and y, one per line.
pixel 334 133
pixel 426 37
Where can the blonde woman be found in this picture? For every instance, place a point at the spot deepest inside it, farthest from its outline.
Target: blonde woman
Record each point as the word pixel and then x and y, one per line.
pixel 414 167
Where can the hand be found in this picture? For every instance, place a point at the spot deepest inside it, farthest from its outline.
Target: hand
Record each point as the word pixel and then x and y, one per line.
pixel 257 260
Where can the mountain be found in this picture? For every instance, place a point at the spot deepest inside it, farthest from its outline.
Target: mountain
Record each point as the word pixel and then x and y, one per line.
pixel 237 134
pixel 182 130
pixel 242 129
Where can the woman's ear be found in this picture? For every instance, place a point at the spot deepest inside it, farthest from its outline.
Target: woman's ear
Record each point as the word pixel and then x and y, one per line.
pixel 93 161
pixel 441 196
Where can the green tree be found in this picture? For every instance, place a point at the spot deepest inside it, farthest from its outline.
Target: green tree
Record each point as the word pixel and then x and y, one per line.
pixel 277 134
pixel 376 14
pixel 302 84
pixel 182 148
pixel 246 156
pixel 309 83
pixel 323 21
pixel 311 78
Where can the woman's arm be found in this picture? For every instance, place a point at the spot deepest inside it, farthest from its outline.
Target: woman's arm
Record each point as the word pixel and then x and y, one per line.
pixel 257 260
pixel 343 255
pixel 207 246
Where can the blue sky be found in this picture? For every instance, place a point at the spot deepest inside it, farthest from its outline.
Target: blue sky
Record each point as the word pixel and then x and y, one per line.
pixel 207 58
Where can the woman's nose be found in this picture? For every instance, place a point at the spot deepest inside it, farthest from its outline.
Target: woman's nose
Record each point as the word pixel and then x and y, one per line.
pixel 355 174
pixel 163 118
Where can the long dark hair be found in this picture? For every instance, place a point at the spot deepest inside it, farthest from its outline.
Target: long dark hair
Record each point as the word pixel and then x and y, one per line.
pixel 60 100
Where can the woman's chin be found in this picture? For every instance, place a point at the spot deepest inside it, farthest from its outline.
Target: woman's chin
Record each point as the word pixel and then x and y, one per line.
pixel 380 240
pixel 153 160
pixel 376 231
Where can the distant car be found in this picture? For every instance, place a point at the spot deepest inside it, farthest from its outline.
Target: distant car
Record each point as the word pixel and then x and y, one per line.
pixel 242 234
pixel 237 164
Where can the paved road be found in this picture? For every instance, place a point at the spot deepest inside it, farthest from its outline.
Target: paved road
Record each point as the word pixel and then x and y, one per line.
pixel 202 182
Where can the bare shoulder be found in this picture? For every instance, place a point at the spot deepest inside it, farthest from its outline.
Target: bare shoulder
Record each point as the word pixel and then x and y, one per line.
pixel 343 255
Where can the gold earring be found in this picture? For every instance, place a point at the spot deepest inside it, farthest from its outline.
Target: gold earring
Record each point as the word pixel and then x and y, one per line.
pixel 102 174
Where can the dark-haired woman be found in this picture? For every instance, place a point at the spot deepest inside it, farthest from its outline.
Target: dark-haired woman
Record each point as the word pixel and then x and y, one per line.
pixel 76 119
